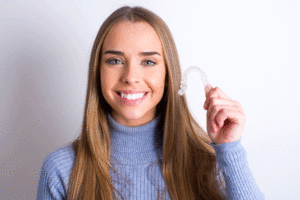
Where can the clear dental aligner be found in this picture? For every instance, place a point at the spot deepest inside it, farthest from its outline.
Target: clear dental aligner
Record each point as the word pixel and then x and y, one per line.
pixel 183 85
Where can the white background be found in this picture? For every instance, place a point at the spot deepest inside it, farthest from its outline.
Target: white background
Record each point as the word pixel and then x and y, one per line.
pixel 249 49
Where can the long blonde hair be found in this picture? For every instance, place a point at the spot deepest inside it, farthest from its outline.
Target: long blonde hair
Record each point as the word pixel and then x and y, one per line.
pixel 189 167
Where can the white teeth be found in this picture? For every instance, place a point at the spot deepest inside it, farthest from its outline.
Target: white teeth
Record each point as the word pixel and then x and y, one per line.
pixel 132 96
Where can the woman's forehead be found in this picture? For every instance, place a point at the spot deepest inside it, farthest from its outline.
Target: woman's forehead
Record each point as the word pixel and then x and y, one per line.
pixel 133 35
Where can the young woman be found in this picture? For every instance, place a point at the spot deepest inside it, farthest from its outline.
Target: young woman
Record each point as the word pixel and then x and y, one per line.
pixel 139 139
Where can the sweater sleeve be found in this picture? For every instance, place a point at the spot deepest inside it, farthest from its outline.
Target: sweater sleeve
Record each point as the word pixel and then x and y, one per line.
pixel 54 176
pixel 239 181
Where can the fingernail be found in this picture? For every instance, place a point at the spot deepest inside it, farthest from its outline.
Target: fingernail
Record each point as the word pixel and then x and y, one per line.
pixel 208 88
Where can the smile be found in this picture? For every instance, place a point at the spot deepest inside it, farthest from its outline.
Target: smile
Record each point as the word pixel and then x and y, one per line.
pixel 131 99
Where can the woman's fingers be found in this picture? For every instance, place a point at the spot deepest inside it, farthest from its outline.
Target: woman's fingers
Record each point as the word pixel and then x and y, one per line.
pixel 223 102
pixel 216 92
pixel 225 117
pixel 220 106
pixel 216 101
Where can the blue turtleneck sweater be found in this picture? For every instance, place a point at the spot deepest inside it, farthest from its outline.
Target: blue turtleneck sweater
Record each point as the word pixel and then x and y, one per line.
pixel 136 156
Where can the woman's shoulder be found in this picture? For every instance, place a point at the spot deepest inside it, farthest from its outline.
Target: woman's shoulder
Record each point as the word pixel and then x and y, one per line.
pixel 54 178
pixel 60 160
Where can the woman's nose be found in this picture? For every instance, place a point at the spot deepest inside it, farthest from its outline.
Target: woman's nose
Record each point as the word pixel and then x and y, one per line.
pixel 132 73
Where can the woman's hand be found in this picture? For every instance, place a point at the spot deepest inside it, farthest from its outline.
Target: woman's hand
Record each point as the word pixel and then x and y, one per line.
pixel 225 117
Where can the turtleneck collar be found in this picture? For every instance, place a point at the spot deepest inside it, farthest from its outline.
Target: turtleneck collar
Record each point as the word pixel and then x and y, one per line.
pixel 134 145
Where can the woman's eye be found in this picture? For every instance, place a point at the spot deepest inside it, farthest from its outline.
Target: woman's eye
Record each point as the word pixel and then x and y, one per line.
pixel 150 62
pixel 116 62
pixel 113 61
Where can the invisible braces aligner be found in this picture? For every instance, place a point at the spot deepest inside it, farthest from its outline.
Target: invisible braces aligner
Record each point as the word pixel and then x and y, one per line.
pixel 183 85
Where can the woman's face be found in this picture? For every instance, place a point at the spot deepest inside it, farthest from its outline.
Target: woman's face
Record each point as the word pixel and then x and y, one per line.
pixel 132 59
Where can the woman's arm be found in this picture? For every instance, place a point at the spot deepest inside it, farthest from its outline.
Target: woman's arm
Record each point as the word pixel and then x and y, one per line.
pixel 239 181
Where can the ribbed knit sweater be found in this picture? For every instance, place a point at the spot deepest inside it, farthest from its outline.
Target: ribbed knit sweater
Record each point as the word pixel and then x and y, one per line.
pixel 136 155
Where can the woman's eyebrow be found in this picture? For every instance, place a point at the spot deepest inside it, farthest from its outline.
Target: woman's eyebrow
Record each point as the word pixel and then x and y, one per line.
pixel 149 53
